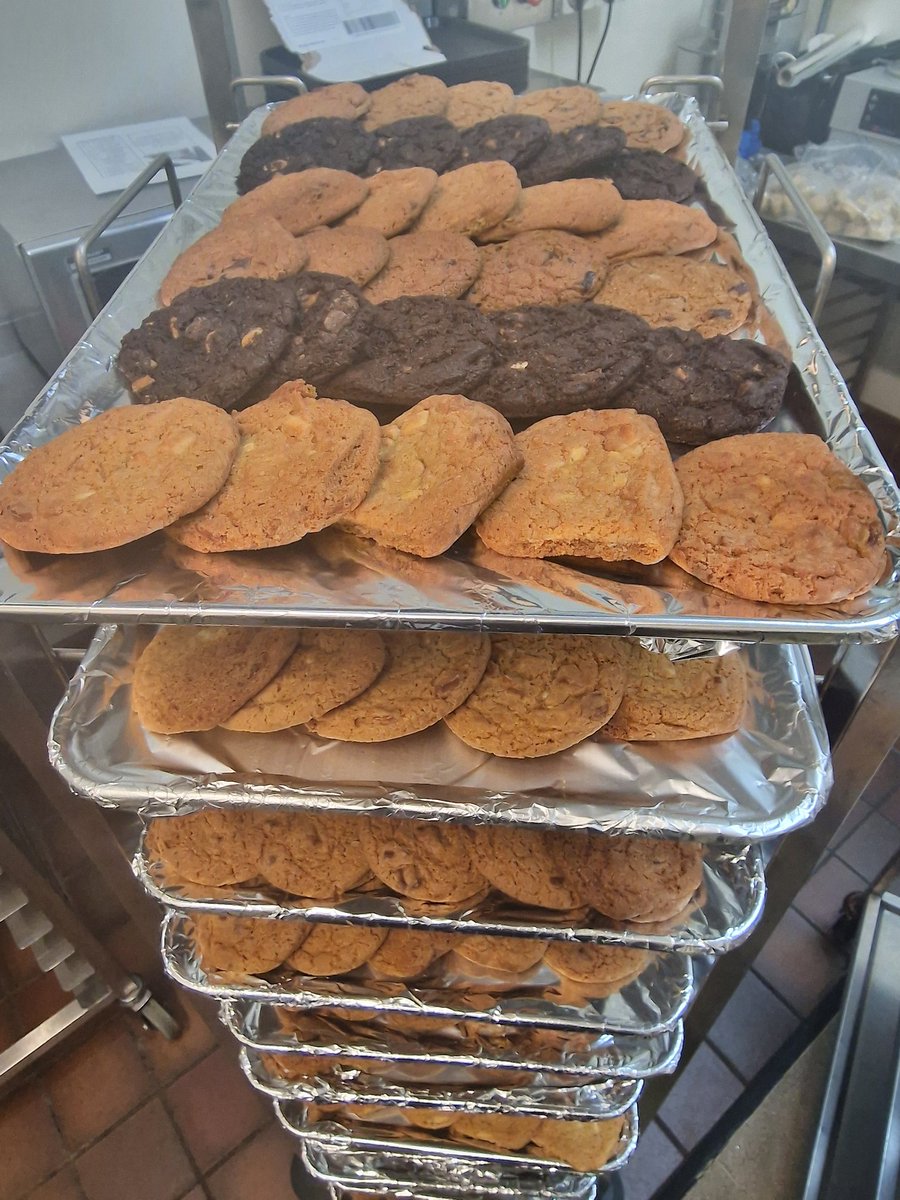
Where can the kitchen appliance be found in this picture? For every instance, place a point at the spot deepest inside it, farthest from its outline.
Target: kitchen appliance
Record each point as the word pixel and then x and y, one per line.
pixel 868 106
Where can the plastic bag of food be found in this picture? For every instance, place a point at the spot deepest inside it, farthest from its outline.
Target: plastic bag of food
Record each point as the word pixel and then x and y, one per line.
pixel 852 187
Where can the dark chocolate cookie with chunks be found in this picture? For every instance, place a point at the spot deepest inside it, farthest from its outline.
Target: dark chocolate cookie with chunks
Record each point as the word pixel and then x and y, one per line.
pixel 319 142
pixel 421 346
pixel 649 175
pixel 212 343
pixel 415 142
pixel 574 154
pixel 513 139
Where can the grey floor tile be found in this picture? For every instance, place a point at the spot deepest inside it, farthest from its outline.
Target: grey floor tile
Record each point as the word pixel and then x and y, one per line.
pixel 654 1160
pixel 704 1091
pixel 885 782
pixel 821 898
pixel 752 1027
pixel 890 806
pixel 871 846
pixel 857 814
pixel 799 963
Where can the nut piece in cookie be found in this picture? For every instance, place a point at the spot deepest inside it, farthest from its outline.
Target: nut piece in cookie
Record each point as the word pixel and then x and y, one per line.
pixel 669 290
pixel 355 254
pixel 328 668
pixel 540 694
pixel 215 846
pixel 546 266
pixel 263 250
pixel 646 126
pixel 442 462
pixel 426 860
pixel 598 484
pixel 426 676
pixel 335 949
pixel 513 139
pixel 301 201
pixel 118 477
pixel 469 103
pixel 414 142
pixel 431 263
pixel 244 945
pixel 394 201
pixel 302 463
pixel 411 96
pixel 317 855
pixel 213 342
pixel 473 198
pixel 668 700
pixel 346 100
pixel 777 517
pixel 655 227
pixel 319 142
pixel 562 108
pixel 576 205
pixel 193 677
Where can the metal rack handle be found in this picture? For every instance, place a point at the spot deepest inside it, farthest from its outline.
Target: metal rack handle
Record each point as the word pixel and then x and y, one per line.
pixel 664 83
pixel 162 162
pixel 293 82
pixel 772 165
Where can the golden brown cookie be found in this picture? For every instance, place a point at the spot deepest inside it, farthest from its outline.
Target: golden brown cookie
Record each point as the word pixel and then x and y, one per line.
pixel 628 877
pixel 583 1145
pixel 411 96
pixel 357 254
pixel 522 864
pixel 562 108
pixel 673 290
pixel 427 263
pixel 670 701
pixel 545 266
pixel 215 846
pixel 248 945
pixel 646 126
pixel 118 477
pixel 541 693
pixel 652 227
pixel 472 198
pixel 262 249
pixel 302 200
pixel 429 1118
pixel 407 953
pixel 328 668
pixel 777 516
pixel 193 677
pixel 586 962
pixel 511 954
pixel 442 462
pixel 427 860
pixel 480 100
pixel 302 463
pixel 335 949
pixel 511 1133
pixel 426 675
pixel 394 201
pixel 575 205
pixel 317 855
pixel 597 484
pixel 345 100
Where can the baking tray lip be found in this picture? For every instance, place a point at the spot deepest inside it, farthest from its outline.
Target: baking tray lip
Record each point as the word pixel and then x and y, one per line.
pixel 796 781
pixel 465 611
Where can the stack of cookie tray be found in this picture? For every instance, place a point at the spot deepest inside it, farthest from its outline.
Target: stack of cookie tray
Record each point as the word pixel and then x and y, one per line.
pixel 733 795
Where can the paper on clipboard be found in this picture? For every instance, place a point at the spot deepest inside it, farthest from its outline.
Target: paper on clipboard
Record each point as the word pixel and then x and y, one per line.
pixel 109 159
pixel 353 39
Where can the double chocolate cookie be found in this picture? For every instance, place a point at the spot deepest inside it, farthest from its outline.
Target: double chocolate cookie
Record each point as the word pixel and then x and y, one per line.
pixel 573 154
pixel 319 142
pixel 513 139
pixel 421 346
pixel 699 389
pixel 415 142
pixel 649 175
pixel 212 343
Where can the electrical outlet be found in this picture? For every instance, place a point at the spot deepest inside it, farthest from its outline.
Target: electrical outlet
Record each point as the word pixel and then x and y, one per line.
pixel 511 14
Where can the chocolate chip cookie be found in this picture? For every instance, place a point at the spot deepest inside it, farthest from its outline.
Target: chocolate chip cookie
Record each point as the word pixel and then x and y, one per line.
pixel 513 139
pixel 332 324
pixel 427 860
pixel 431 263
pixel 394 201
pixel 562 108
pixel 414 142
pixel 320 142
pixel 346 100
pixel 410 96
pixel 649 175
pixel 578 152
pixel 547 266
pixel 355 254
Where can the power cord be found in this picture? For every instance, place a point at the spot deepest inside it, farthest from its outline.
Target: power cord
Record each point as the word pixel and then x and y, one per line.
pixel 579 12
pixel 600 44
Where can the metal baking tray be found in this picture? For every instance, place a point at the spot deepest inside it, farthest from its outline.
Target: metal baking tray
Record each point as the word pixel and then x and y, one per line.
pixel 590 1101
pixel 449 1057
pixel 340 580
pixel 728 905
pixel 768 778
pixel 419 1144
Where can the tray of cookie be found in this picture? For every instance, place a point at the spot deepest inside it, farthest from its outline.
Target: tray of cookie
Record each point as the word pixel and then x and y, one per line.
pixel 278 1076
pixel 547 324
pixel 690 739
pixel 497 1142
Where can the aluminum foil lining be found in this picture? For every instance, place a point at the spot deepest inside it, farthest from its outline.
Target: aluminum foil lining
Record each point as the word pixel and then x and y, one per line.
pixel 458 1057
pixel 333 579
pixel 723 913
pixel 590 1101
pixel 398 1140
pixel 770 777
